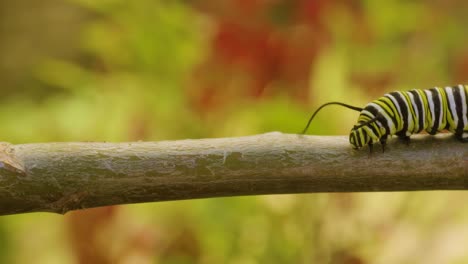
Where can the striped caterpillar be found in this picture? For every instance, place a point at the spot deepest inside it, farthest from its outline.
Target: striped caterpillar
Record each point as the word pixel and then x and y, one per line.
pixel 409 112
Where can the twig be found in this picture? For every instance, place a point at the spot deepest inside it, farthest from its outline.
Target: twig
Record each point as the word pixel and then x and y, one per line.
pixel 59 177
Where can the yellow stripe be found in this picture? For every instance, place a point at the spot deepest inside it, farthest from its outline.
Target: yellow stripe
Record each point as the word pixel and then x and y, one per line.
pixel 443 97
pixel 413 125
pixel 450 115
pixel 398 117
pixel 374 138
pixel 361 138
pixel 427 112
pixel 363 118
pixel 393 112
pixel 378 129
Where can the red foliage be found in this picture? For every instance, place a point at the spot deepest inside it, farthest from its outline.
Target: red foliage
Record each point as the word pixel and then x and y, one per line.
pixel 259 47
pixel 96 237
pixel 84 228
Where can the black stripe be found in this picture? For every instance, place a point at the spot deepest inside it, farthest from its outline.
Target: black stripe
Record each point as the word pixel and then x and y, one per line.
pixel 466 101
pixel 392 115
pixel 450 113
pixel 367 115
pixel 370 125
pixel 356 139
pixel 382 120
pixel 404 113
pixel 459 109
pixel 374 130
pixel 419 105
pixel 358 136
pixel 437 108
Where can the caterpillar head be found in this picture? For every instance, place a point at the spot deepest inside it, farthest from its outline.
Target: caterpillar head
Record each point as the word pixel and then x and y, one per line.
pixel 366 133
pixel 359 137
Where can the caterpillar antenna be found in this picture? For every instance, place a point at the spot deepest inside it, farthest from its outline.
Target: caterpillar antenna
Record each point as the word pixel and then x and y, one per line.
pixel 326 104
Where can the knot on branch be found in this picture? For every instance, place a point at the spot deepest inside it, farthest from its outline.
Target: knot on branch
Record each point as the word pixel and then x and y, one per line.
pixel 69 202
pixel 9 163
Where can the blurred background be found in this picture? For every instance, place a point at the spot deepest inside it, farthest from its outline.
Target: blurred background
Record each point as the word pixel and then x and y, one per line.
pixel 115 70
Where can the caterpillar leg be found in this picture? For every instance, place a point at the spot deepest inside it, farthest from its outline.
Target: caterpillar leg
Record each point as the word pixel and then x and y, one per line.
pixel 383 142
pixel 463 137
pixel 371 147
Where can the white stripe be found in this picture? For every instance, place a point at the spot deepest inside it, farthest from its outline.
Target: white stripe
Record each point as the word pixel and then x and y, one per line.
pixel 390 123
pixel 409 119
pixel 416 112
pixel 382 128
pixel 420 96
pixel 395 102
pixel 453 108
pixel 431 107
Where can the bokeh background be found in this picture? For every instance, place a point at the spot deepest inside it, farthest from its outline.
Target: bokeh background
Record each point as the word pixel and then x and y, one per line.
pixel 116 70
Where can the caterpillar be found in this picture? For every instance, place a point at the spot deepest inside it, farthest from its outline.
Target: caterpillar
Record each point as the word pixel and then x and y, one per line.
pixel 403 113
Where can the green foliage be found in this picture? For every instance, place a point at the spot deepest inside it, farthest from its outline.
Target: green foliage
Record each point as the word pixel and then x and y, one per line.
pixel 140 55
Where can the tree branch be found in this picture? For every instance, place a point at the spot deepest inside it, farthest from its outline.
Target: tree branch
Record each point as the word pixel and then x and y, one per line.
pixel 58 177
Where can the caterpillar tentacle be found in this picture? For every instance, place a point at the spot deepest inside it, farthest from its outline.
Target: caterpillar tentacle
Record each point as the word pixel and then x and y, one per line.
pixel 322 106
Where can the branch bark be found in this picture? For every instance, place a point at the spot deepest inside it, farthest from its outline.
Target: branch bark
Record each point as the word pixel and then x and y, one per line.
pixel 59 177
